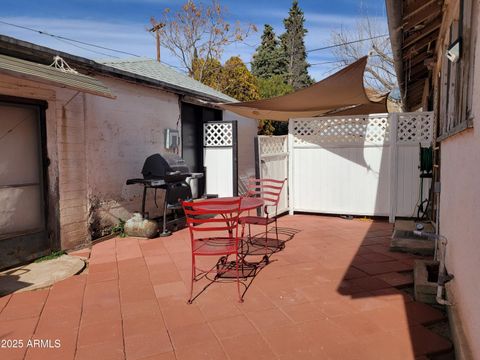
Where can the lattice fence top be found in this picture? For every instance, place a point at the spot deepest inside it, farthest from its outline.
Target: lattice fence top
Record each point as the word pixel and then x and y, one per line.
pixel 415 128
pixel 342 130
pixel 272 145
pixel 218 134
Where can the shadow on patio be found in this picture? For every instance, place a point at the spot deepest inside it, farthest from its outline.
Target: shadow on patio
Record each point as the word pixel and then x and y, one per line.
pixel 330 294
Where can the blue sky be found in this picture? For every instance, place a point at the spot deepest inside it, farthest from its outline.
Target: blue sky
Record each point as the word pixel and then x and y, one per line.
pixel 121 24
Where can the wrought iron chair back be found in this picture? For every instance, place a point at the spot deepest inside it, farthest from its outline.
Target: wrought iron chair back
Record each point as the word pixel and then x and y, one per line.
pixel 213 227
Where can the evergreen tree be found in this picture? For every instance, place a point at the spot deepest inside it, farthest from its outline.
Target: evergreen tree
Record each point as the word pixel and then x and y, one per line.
pixel 268 88
pixel 294 48
pixel 268 59
pixel 273 86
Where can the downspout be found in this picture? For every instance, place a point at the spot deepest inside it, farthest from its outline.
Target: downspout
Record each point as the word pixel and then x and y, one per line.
pixel 394 15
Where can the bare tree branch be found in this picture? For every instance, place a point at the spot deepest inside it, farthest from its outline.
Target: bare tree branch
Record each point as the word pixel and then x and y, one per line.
pixel 380 72
pixel 199 31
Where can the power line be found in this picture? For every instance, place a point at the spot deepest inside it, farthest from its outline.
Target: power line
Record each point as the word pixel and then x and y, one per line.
pixel 73 41
pixel 326 62
pixel 347 43
pixel 68 39
pixel 338 45
pixel 87 49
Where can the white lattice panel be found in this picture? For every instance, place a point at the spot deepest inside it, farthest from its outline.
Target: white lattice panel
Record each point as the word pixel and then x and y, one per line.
pixel 342 130
pixel 217 134
pixel 272 145
pixel 415 128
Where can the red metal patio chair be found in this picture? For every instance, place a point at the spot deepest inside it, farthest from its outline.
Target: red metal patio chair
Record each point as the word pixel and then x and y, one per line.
pixel 213 229
pixel 269 191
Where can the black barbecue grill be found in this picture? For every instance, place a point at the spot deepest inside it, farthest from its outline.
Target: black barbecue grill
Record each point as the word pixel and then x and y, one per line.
pixel 168 172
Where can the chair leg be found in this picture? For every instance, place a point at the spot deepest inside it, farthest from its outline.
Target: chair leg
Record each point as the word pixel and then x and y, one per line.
pixel 240 299
pixel 276 229
pixel 266 239
pixel 194 274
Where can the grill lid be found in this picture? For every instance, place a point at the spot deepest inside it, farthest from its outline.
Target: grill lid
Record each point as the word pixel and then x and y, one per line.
pixel 158 166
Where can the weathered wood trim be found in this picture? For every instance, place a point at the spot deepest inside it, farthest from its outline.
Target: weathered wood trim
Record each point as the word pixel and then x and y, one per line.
pixel 457 129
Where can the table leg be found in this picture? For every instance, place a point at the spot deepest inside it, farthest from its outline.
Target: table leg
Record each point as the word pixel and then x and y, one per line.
pixel 143 200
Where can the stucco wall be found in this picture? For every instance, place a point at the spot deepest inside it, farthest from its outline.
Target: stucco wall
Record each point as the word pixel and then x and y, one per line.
pixel 95 144
pixel 67 223
pixel 120 135
pixel 460 214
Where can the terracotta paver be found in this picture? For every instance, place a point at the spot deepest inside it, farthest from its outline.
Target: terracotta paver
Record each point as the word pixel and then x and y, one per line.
pixel 24 305
pixel 234 326
pixel 397 279
pixel 207 351
pixel 196 334
pixel 334 292
pixel 83 253
pixel 249 346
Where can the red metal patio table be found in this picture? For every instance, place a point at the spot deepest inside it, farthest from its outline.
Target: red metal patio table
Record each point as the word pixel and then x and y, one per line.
pixel 248 203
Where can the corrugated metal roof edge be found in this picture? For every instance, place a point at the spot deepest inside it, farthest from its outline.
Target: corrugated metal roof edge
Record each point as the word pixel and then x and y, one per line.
pixel 18 48
pixel 50 75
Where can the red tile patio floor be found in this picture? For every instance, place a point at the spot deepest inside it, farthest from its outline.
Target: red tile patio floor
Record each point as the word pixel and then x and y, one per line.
pixel 328 295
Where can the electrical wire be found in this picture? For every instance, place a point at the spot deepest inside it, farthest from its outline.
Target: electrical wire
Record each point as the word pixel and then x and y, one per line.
pixel 347 43
pixel 325 62
pixel 68 39
pixel 84 48
pixel 71 41
pixel 338 45
pixel 74 42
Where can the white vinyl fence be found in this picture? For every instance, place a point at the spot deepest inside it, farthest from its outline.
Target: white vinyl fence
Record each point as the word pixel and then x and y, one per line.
pixel 357 165
pixel 272 162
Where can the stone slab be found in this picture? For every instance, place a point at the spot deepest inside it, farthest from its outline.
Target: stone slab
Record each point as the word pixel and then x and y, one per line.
pixel 409 225
pixel 39 275
pixel 405 240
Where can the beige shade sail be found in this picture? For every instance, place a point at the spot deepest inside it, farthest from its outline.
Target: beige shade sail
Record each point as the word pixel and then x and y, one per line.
pixel 342 93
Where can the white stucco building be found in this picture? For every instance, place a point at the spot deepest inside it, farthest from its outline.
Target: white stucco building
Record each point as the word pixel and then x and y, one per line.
pixel 87 145
pixel 437 57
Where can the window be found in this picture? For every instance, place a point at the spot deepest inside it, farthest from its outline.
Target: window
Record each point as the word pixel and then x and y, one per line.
pixel 456 76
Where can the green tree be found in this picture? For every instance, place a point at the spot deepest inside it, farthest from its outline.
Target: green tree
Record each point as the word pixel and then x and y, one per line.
pixel 209 72
pixel 237 81
pixel 233 78
pixel 266 127
pixel 273 86
pixel 268 88
pixel 268 59
pixel 294 48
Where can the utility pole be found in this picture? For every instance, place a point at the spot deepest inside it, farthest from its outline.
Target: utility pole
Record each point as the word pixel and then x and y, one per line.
pixel 156 27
